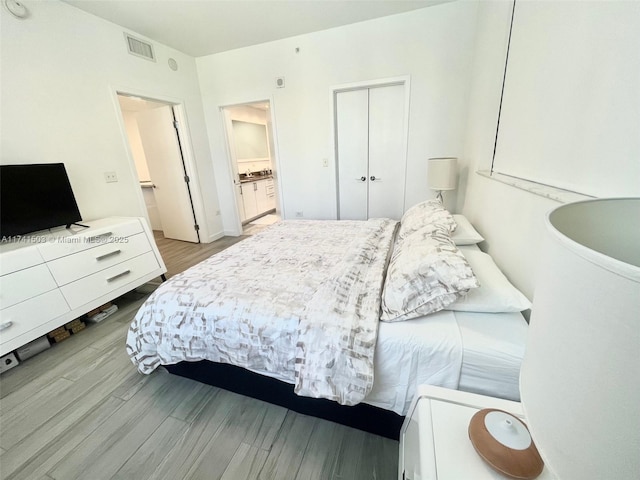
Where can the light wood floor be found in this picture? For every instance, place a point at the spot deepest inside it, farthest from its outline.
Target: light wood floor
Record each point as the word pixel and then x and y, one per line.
pixel 80 410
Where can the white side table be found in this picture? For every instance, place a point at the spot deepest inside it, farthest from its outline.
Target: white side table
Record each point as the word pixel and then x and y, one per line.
pixel 434 440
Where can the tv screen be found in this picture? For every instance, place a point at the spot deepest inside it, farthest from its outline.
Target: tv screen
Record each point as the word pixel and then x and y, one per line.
pixel 35 197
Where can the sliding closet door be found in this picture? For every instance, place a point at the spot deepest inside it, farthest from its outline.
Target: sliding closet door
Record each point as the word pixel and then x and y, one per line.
pixel 352 127
pixel 387 162
pixel 370 147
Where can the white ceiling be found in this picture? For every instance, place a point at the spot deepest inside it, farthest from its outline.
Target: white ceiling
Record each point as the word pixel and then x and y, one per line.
pixel 204 27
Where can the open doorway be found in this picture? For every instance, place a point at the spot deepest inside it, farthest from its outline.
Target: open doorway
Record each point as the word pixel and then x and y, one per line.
pixel 152 131
pixel 251 146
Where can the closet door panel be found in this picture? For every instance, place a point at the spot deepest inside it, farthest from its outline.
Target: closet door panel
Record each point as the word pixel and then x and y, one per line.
pixel 387 162
pixel 352 153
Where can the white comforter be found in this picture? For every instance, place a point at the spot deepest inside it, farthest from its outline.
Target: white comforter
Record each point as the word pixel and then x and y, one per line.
pixel 299 302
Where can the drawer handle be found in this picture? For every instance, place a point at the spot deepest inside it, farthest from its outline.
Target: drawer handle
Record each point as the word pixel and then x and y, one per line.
pixel 96 237
pixel 107 255
pixel 5 325
pixel 115 277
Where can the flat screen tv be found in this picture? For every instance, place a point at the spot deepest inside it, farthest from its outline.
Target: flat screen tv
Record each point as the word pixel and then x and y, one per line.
pixel 35 197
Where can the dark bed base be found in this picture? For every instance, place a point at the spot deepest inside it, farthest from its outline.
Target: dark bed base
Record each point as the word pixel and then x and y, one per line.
pixel 235 379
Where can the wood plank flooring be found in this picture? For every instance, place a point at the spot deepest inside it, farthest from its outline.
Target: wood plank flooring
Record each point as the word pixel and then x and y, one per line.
pixel 178 255
pixel 80 410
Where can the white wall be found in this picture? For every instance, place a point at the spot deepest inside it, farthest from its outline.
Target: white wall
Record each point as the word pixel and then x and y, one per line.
pixel 433 45
pixel 247 113
pixel 142 168
pixel 511 220
pixel 135 143
pixel 61 67
pixel 571 107
pixel 60 70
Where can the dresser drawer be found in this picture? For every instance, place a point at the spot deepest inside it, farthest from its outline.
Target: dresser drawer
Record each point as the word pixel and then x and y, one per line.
pixel 18 258
pixel 25 316
pixel 90 238
pixel 74 267
pixel 23 284
pixel 81 291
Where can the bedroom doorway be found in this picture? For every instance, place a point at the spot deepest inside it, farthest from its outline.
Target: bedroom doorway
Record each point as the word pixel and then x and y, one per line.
pixel 152 129
pixel 251 147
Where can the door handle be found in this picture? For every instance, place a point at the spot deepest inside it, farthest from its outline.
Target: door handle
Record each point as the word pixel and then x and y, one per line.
pixel 362 179
pixel 6 325
pixel 373 178
pixel 96 238
pixel 115 277
pixel 107 255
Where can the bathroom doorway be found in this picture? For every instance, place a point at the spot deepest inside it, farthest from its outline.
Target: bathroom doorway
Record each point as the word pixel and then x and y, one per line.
pixel 251 147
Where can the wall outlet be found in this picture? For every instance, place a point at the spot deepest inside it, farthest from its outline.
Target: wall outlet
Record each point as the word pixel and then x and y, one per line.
pixel 299 214
pixel 110 177
pixel 325 162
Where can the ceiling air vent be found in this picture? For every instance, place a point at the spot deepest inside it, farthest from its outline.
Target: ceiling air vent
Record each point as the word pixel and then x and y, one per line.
pixel 139 48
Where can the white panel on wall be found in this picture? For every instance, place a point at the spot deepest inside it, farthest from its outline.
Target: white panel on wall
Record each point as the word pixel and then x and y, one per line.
pixel 571 107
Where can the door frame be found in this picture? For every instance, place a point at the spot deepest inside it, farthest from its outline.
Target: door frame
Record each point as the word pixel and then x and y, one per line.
pixel 405 81
pixel 226 126
pixel 184 136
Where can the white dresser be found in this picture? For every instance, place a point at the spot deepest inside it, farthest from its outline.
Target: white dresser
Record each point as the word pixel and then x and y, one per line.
pixel 434 440
pixel 47 280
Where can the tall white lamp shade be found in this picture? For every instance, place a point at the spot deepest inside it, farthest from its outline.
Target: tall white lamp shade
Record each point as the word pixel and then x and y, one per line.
pixel 442 174
pixel 580 378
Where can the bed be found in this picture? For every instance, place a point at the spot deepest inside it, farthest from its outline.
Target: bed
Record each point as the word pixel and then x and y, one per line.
pixel 341 319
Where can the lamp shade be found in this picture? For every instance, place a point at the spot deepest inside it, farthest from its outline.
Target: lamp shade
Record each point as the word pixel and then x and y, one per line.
pixel 580 378
pixel 442 173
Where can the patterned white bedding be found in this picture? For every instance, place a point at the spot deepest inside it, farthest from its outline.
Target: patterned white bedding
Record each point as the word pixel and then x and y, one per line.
pixel 298 302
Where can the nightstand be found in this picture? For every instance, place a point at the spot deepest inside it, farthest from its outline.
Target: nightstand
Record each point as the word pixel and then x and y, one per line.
pixel 434 440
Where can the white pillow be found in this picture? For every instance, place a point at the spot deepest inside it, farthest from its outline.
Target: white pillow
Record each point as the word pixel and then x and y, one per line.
pixel 495 294
pixel 426 273
pixel 425 216
pixel 465 234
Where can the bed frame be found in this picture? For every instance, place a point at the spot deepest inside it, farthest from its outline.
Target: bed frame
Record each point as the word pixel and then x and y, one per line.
pixel 239 380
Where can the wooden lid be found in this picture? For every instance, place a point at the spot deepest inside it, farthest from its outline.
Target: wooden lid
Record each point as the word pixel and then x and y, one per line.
pixel 503 441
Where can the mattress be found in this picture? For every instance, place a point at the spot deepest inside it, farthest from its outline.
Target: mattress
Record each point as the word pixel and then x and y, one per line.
pixel 493 347
pixel 425 350
pixel 469 351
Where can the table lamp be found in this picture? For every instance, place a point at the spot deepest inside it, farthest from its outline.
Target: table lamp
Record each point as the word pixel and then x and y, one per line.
pixel 580 378
pixel 442 174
